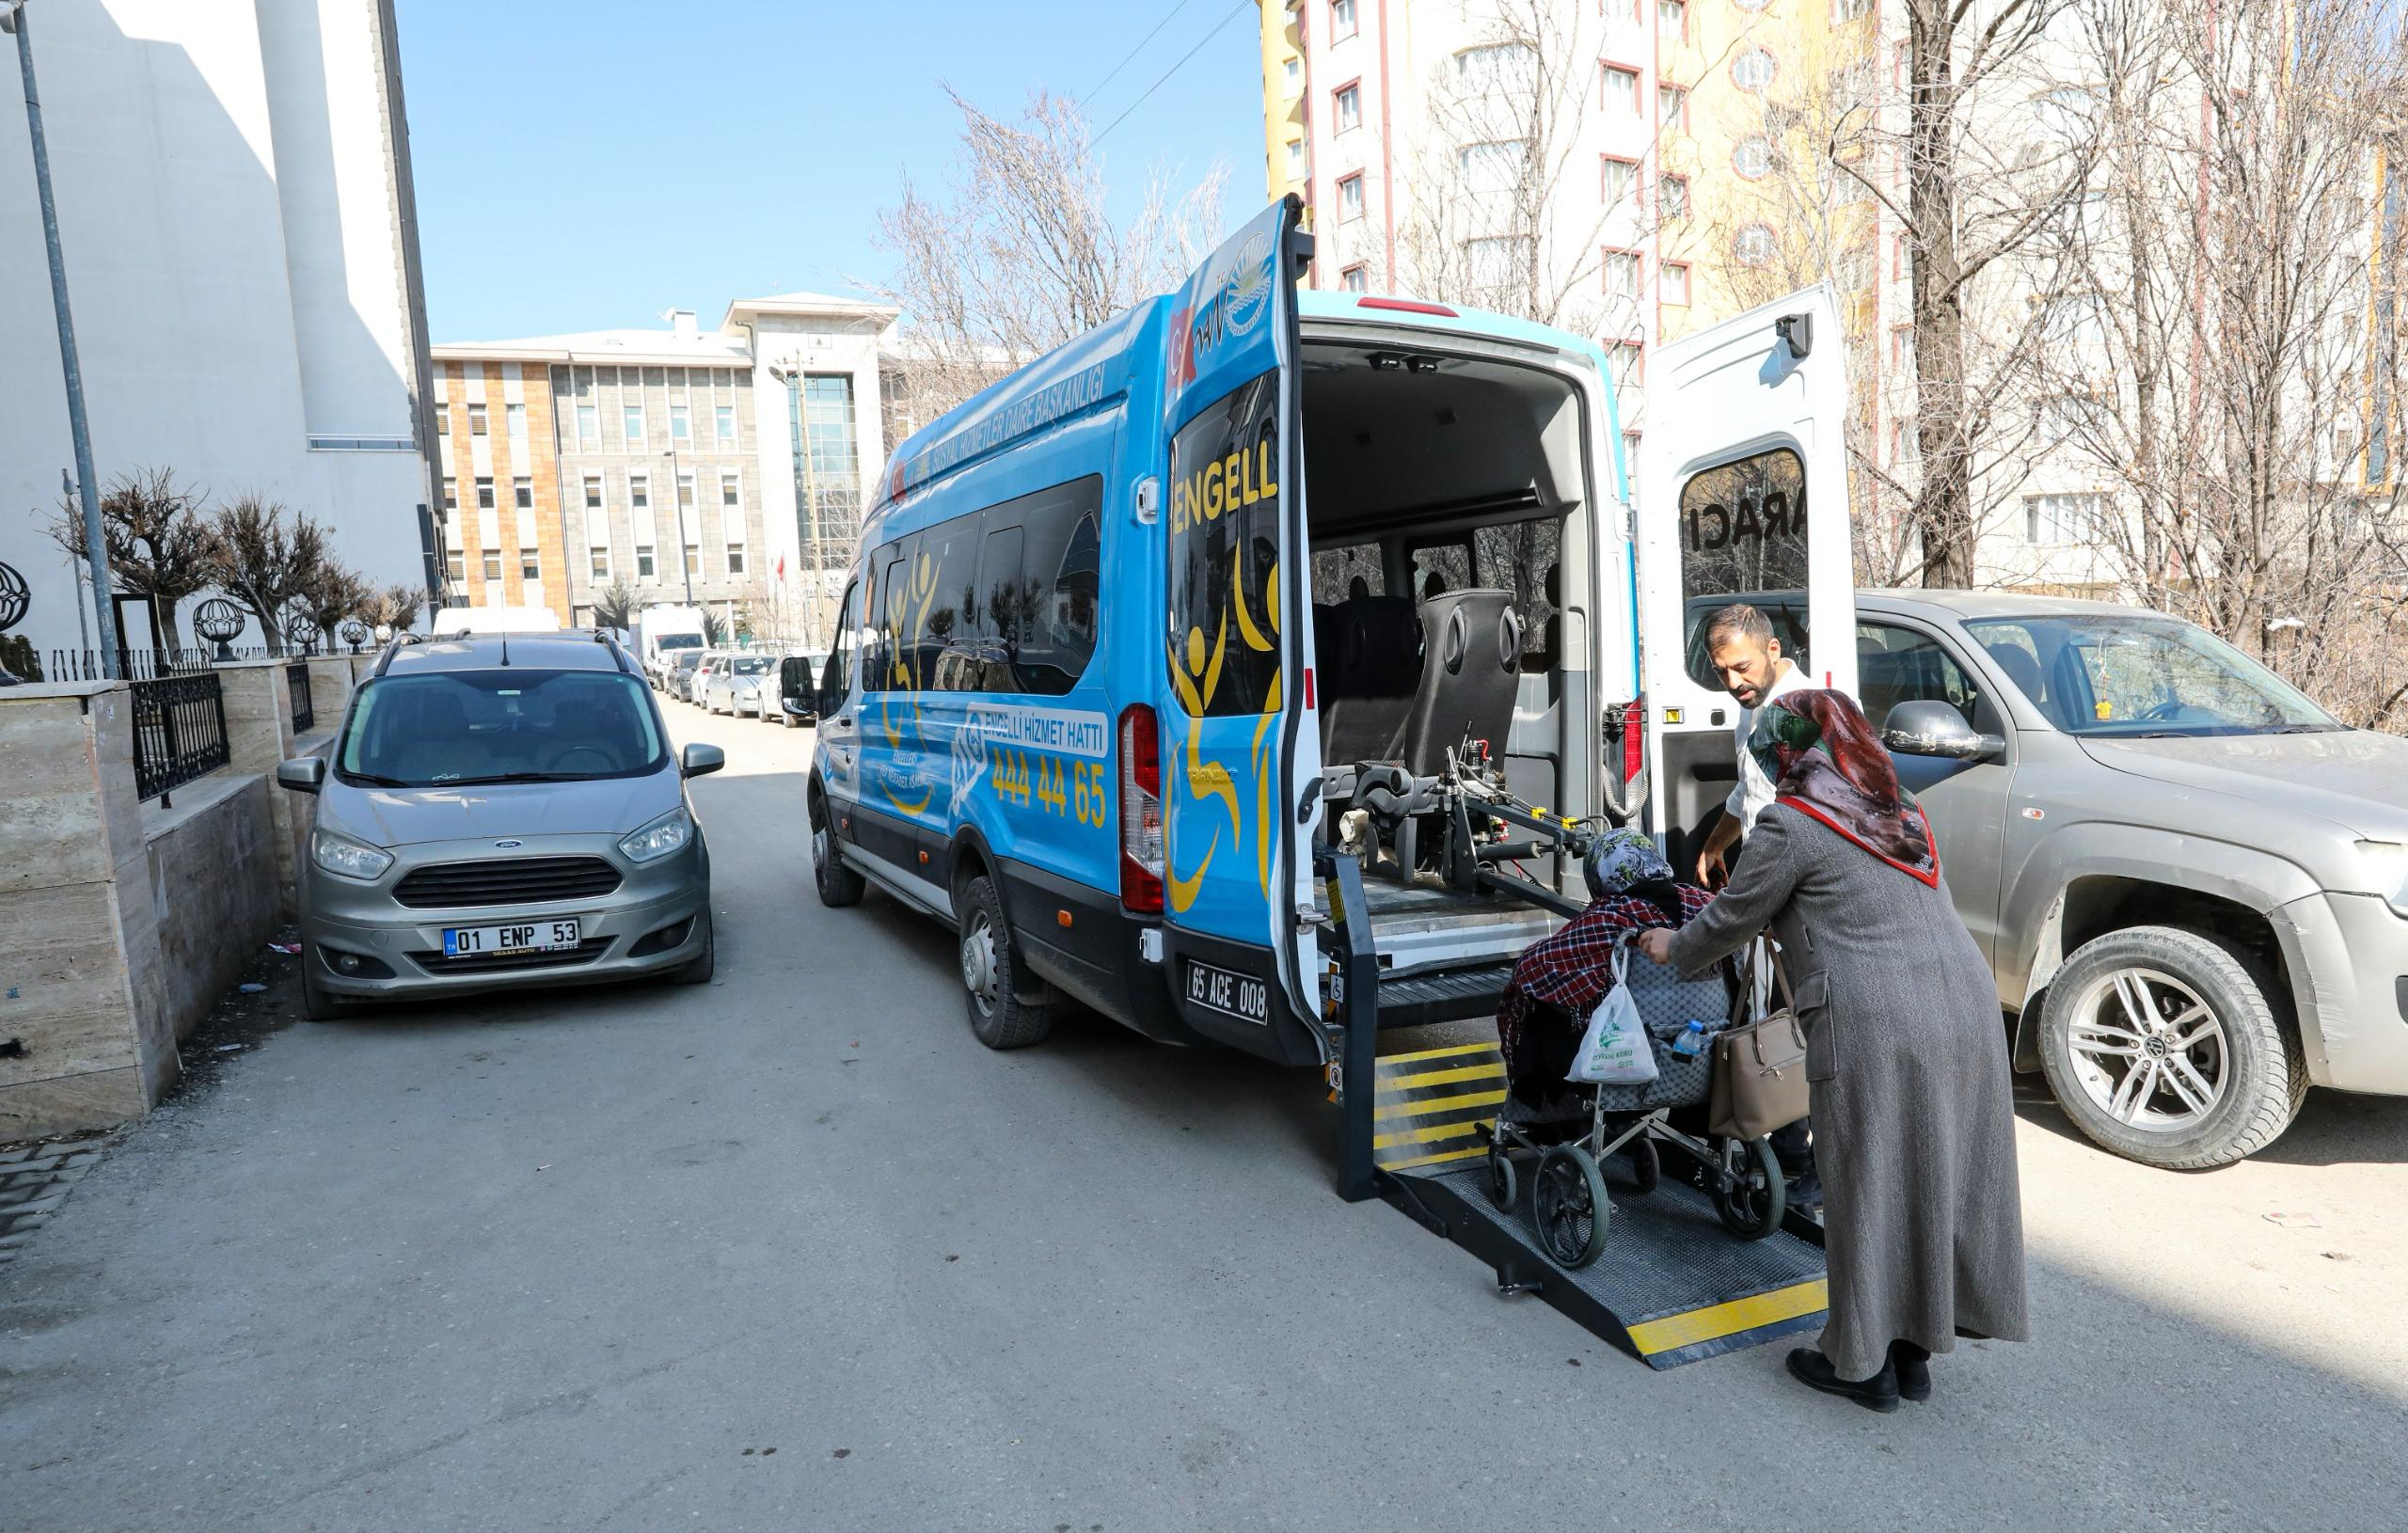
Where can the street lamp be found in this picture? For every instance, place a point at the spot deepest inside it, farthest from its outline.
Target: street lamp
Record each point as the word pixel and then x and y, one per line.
pixel 12 19
pixel 677 503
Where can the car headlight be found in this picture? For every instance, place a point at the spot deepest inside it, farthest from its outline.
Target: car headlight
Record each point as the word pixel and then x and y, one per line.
pixel 657 840
pixel 345 858
pixel 2388 860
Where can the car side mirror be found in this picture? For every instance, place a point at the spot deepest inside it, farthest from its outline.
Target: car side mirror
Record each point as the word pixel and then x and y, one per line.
pixel 303 774
pixel 698 759
pixel 1927 727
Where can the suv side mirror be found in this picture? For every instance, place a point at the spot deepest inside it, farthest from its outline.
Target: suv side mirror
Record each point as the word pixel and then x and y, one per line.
pixel 1927 727
pixel 302 774
pixel 699 758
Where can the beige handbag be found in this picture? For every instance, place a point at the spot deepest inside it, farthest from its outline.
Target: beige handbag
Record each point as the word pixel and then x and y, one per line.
pixel 1760 1069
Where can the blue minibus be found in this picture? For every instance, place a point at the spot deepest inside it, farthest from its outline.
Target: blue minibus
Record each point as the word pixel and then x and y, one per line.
pixel 1246 568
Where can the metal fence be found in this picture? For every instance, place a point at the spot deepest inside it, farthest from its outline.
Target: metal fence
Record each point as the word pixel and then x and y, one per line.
pixel 140 664
pixel 304 711
pixel 178 731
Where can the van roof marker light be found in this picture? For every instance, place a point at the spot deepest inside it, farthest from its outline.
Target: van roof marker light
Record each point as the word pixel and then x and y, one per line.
pixel 1409 305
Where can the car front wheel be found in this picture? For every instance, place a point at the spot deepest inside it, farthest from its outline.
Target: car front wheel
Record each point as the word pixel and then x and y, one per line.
pixel 2171 1048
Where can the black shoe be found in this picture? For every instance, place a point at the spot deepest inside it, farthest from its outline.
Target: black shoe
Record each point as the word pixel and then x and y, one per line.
pixel 1814 1371
pixel 1912 1364
pixel 1806 1193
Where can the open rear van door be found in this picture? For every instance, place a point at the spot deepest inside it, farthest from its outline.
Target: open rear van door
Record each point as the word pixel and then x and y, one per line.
pixel 1742 496
pixel 1235 758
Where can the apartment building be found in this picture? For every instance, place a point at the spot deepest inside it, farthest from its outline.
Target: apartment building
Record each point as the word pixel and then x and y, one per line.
pixel 720 468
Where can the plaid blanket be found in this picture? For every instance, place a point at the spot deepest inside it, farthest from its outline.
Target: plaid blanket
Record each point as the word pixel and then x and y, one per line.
pixel 1558 982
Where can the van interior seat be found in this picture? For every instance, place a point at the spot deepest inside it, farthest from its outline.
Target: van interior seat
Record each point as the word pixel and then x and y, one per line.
pixel 1369 686
pixel 1472 644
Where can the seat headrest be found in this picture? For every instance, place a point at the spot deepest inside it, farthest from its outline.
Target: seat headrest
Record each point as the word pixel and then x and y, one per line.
pixel 1476 627
pixel 1381 646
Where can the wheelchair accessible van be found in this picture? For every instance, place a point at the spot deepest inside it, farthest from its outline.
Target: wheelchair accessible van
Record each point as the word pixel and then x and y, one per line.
pixel 1565 1131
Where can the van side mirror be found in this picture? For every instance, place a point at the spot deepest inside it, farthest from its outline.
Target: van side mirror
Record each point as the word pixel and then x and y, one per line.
pixel 1927 727
pixel 303 774
pixel 829 696
pixel 698 759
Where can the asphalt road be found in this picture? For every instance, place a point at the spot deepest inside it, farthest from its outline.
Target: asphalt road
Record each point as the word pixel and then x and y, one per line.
pixel 792 1251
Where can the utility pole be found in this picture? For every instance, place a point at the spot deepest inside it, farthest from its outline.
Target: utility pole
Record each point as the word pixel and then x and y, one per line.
pixel 12 19
pixel 678 499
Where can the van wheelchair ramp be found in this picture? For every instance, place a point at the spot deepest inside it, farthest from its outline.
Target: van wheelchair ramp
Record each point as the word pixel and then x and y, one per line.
pixel 1671 1286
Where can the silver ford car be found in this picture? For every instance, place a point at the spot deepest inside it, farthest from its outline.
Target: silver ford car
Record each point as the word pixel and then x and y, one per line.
pixel 500 811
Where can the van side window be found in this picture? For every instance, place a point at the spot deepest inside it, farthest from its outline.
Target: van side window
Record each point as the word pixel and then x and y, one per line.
pixel 1743 530
pixel 1336 570
pixel 1441 567
pixel 1226 542
pixel 946 620
pixel 1060 581
pixel 890 651
pixel 838 676
pixel 1519 556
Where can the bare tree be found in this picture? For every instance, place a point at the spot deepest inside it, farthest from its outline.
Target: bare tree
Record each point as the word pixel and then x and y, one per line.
pixel 1986 152
pixel 2237 386
pixel 332 592
pixel 263 554
pixel 396 607
pixel 156 540
pixel 1019 254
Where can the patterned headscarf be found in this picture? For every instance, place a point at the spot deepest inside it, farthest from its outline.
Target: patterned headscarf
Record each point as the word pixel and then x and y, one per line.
pixel 1620 861
pixel 1824 760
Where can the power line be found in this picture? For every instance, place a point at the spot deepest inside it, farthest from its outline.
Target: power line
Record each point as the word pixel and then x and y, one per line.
pixel 1208 37
pixel 1134 52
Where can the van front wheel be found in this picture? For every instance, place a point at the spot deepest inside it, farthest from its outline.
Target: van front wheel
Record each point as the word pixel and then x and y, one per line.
pixel 993 977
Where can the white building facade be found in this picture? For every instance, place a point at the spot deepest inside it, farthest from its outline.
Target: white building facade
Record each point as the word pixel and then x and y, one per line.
pixel 239 230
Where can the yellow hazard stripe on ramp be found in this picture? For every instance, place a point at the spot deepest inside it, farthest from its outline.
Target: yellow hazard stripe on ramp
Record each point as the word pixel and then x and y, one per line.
pixel 1433 1159
pixel 1453 1050
pixel 1715 1321
pixel 1495 1070
pixel 1468 1101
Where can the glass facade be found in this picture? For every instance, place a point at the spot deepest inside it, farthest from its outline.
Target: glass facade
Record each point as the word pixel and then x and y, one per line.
pixel 827 479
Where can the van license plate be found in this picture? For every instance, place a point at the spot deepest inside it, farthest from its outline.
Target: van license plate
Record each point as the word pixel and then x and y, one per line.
pixel 1236 995
pixel 528 936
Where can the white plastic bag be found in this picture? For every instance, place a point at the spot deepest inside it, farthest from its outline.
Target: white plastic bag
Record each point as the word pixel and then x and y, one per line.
pixel 1615 1050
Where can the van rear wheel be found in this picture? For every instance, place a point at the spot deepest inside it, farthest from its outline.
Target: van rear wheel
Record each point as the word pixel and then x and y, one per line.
pixel 993 976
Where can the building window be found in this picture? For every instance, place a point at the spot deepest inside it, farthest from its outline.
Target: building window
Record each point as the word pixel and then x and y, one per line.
pixel 443 420
pixel 1753 70
pixel 1751 156
pixel 826 473
pixel 476 420
pixel 484 494
pixel 522 493
pixel 1349 101
pixel 599 563
pixel 1902 440
pixel 1673 18
pixel 1672 196
pixel 1621 90
pixel 514 419
pixel 1497 262
pixel 592 492
pixel 450 497
pixel 1850 11
pixel 685 490
pixel 1902 346
pixel 528 567
pixel 1292 76
pixel 1299 165
pixel 1496 166
pixel 1673 105
pixel 735 549
pixel 631 421
pixel 643 562
pixel 493 563
pixel 589 424
pixel 727 425
pixel 681 428
pixel 2063 518
pixel 1623 275
pixel 1902 65
pixel 1626 363
pixel 1899 257
pixel 693 559
pixel 1754 246
pixel 1342 21
pixel 1354 278
pixel 1350 197
pixel 640 491
pixel 455 564
pixel 1675 283
pixel 1621 176
pixel 731 490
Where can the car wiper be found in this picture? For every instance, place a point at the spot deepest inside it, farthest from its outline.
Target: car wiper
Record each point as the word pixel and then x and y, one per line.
pixel 374 781
pixel 2300 729
pixel 518 777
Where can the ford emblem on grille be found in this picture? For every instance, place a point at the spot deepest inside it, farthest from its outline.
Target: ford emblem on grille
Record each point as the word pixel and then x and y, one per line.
pixel 509 844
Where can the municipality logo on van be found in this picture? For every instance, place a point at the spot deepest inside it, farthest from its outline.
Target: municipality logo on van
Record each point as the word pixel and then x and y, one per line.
pixel 1237 296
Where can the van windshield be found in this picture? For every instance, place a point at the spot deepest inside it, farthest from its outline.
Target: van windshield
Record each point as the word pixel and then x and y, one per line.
pixel 2111 676
pixel 673 641
pixel 499 726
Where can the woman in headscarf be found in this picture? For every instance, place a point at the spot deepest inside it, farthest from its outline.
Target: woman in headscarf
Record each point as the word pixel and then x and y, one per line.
pixel 1905 1055
pixel 1558 982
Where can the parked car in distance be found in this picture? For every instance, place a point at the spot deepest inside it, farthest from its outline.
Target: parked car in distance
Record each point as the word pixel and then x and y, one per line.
pixel 698 680
pixel 795 701
pixel 734 684
pixel 677 674
pixel 2192 881
pixel 486 826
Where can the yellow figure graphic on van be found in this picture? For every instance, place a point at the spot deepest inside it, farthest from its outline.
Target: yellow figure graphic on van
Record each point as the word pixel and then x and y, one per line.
pixel 907 604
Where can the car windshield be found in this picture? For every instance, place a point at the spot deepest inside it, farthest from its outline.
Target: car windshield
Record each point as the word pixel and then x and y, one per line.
pixel 2143 677
pixel 749 665
pixel 503 725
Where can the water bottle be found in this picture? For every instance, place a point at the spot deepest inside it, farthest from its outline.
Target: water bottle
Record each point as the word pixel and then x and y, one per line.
pixel 1691 1040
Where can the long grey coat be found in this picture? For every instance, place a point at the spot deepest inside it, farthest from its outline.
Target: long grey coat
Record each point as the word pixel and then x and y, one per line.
pixel 1905 1057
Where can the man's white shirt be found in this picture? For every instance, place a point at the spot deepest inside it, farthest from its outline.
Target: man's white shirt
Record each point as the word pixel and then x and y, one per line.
pixel 1753 794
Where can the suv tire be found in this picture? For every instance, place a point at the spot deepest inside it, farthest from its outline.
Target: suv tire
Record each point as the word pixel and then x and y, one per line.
pixel 992 976
pixel 2238 1046
pixel 838 884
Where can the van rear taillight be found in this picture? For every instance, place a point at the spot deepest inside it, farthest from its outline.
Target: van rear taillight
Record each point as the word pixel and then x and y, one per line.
pixel 1633 738
pixel 1141 810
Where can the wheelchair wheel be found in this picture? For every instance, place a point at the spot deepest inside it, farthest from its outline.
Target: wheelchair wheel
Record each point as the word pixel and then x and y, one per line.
pixel 1645 1164
pixel 1568 1204
pixel 1503 1186
pixel 1749 1192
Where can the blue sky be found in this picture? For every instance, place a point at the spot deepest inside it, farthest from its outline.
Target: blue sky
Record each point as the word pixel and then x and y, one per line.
pixel 583 166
